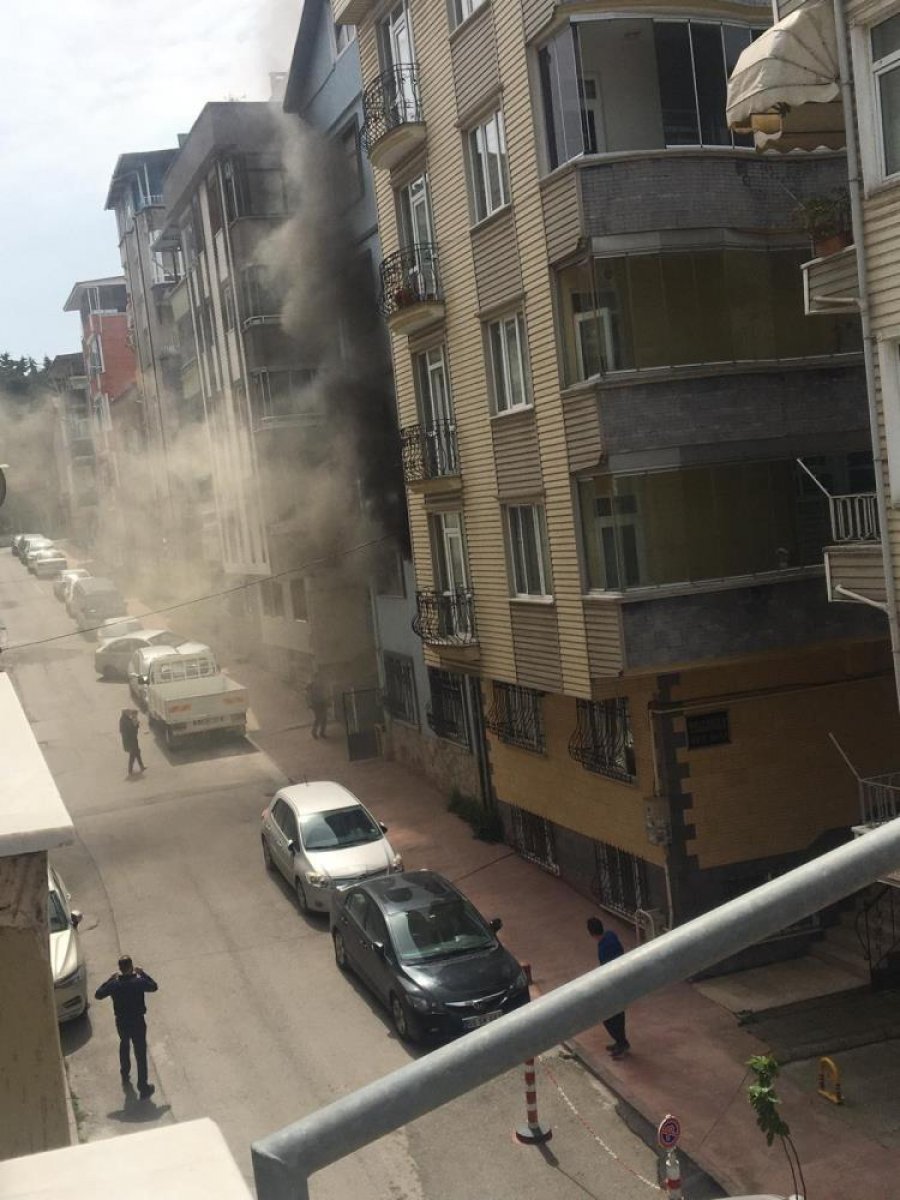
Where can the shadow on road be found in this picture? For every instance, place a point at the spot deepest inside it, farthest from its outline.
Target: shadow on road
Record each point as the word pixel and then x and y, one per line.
pixel 202 747
pixel 135 1111
pixel 75 1034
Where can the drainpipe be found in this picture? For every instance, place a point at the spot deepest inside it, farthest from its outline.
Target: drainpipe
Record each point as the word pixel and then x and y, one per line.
pixel 856 215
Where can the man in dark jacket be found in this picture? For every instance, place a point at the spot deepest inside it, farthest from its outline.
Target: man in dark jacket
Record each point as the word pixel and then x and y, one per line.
pixel 318 702
pixel 128 731
pixel 127 990
pixel 608 948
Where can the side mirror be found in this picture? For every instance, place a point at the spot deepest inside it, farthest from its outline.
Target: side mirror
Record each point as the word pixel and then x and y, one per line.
pixel 77 918
pixel 382 826
pixel 496 924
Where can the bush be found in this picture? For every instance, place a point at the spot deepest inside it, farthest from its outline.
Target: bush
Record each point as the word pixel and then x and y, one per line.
pixel 485 822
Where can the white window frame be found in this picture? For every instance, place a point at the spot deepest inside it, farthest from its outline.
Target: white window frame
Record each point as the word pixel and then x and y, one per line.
pixel 525 522
pixel 604 317
pixel 463 9
pixel 889 363
pixel 483 205
pixel 501 374
pixel 867 72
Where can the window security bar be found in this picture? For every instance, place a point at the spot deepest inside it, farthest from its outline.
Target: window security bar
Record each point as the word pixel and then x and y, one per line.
pixel 515 717
pixel 445 618
pixel 429 451
pixel 602 740
pixel 284 1161
pixel 390 101
pixel 409 276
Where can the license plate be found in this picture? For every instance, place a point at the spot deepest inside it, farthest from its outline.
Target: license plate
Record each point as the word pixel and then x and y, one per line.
pixel 484 1019
pixel 208 721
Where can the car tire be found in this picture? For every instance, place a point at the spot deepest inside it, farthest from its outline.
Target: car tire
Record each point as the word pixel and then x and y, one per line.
pixel 340 951
pixel 300 893
pixel 403 1020
pixel 267 856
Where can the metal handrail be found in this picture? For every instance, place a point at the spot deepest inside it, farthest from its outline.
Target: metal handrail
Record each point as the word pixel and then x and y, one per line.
pixel 390 101
pixel 879 798
pixel 854 517
pixel 409 276
pixel 445 618
pixel 429 451
pixel 284 1161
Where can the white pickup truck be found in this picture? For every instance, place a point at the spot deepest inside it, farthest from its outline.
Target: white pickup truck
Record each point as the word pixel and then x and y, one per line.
pixel 188 694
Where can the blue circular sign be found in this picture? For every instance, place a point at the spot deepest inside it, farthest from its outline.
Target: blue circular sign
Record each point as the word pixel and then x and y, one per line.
pixel 669 1132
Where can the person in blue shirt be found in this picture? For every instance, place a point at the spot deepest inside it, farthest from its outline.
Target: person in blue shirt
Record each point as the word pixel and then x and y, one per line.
pixel 608 948
pixel 127 990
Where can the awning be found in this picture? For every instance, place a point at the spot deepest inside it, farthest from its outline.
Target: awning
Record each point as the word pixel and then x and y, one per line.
pixel 785 87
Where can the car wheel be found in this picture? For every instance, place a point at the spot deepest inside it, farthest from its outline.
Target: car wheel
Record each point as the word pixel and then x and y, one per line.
pixel 340 951
pixel 267 856
pixel 403 1021
pixel 302 902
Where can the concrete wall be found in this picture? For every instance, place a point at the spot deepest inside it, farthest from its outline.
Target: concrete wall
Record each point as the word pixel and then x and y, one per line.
pixel 32 1080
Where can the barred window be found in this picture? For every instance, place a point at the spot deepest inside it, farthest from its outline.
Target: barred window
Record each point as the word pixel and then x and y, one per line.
pixel 272 595
pixel 532 836
pixel 707 729
pixel 400 688
pixel 602 740
pixel 447 715
pixel 515 717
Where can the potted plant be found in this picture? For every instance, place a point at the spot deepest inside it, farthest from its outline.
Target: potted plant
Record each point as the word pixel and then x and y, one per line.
pixel 826 218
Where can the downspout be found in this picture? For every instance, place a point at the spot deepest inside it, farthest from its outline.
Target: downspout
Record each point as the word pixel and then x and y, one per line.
pixel 856 216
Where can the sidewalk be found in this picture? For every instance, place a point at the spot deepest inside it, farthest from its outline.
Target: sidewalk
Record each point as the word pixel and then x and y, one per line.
pixel 688 1052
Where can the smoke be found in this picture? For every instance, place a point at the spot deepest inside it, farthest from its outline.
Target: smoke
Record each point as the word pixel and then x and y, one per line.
pixel 33 495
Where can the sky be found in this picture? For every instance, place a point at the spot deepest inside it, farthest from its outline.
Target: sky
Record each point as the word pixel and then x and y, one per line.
pixel 81 82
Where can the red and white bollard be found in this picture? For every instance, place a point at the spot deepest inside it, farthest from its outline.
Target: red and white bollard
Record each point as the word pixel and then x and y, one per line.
pixel 532 1133
pixel 673 1176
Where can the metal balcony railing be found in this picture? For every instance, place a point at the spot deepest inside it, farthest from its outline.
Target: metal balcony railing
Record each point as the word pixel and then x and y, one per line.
pixel 409 276
pixel 854 518
pixel 879 798
pixel 390 101
pixel 429 451
pixel 445 618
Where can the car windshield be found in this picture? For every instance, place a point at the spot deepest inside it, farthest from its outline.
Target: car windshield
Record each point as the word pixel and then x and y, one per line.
pixel 444 929
pixel 338 829
pixel 56 914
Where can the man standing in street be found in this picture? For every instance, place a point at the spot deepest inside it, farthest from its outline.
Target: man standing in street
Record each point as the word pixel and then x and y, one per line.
pixel 318 702
pixel 128 731
pixel 127 989
pixel 608 948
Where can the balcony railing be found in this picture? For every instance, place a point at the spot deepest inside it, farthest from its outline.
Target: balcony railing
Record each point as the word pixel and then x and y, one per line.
pixel 445 618
pixel 429 451
pixel 879 798
pixel 390 102
pixel 854 518
pixel 410 277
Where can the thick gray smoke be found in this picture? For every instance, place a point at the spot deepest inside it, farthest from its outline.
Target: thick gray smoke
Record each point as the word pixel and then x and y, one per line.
pixel 33 497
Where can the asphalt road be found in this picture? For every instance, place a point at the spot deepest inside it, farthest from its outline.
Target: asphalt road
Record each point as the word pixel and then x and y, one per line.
pixel 253 1025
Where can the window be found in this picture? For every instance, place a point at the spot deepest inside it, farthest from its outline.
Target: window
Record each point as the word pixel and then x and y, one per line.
pixel 533 837
pixel 95 355
pixel 885 39
pixel 214 200
pixel 272 597
pixel 447 715
pixel 400 688
pixel 255 185
pixel 343 36
pixel 515 717
pixel 506 341
pixel 348 143
pixel 228 314
pixel 620 882
pixel 298 600
pixel 707 729
pixel 527 550
pixel 487 163
pixel 602 740
pixel 388 574
pixel 438 434
pixel 463 9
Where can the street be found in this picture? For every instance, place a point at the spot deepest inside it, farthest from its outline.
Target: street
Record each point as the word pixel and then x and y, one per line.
pixel 253 1025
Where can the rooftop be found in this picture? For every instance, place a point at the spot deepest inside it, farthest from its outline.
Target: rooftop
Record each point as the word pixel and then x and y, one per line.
pixel 128 165
pixel 73 304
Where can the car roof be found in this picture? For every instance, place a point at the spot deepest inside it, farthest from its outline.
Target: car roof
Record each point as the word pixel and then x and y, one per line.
pixel 316 796
pixel 149 653
pixel 97 583
pixel 410 889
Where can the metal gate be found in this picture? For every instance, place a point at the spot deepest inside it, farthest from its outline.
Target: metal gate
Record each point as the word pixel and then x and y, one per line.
pixel 362 717
pixel 620 882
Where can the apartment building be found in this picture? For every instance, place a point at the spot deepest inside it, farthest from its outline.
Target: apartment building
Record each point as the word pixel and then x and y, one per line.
pixel 605 378
pixel 849 102
pixel 264 398
pixel 73 447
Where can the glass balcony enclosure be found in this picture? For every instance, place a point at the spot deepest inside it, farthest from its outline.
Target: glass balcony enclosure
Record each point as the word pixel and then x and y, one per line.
pixel 641 311
pixel 611 85
pixel 699 524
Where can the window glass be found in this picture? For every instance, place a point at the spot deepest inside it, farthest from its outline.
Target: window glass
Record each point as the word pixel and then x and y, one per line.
pixel 487 148
pixel 526 546
pixel 886 38
pixel 444 928
pixel 889 101
pixel 56 913
pixel 562 102
pixel 338 829
pixel 507 349
pixel 358 906
pixel 676 83
pixel 709 72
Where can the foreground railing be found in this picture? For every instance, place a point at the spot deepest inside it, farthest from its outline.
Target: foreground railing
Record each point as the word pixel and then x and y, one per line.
pixel 445 618
pixel 284 1161
pixel 390 101
pixel 879 798
pixel 854 518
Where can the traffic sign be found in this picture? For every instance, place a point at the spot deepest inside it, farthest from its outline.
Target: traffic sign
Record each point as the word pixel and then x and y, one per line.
pixel 669 1132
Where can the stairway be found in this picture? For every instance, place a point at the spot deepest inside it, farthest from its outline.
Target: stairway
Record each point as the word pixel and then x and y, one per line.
pixel 841 945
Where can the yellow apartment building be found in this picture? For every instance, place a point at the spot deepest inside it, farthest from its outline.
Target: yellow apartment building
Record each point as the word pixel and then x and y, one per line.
pixel 605 378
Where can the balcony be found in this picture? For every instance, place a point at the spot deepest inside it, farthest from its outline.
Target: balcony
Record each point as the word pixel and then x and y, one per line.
pixel 430 459
pixel 393 125
pixel 446 618
pixel 351 12
pixel 831 283
pixel 411 295
pixel 879 801
pixel 854 566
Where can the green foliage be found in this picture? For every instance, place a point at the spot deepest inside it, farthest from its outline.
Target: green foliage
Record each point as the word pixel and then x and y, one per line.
pixel 486 823
pixel 826 215
pixel 21 376
pixel 763 1099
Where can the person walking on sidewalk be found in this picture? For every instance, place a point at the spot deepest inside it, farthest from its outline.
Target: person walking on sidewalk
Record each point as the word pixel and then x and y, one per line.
pixel 318 702
pixel 127 990
pixel 608 948
pixel 128 730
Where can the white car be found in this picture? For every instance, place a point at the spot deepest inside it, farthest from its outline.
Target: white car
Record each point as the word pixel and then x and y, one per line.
pixel 70 573
pixel 35 549
pixel 30 541
pixel 113 656
pixel 319 836
pixel 139 669
pixel 66 955
pixel 48 564
pixel 114 627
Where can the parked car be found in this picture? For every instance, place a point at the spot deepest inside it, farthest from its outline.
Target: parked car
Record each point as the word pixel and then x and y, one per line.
pixel 66 955
pixel 47 564
pixel 188 694
pixel 93 600
pixel 20 539
pixel 138 671
pixel 114 627
pixel 69 589
pixel 113 655
pixel 34 546
pixel 427 953
pixel 70 573
pixel 320 836
pixel 35 553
